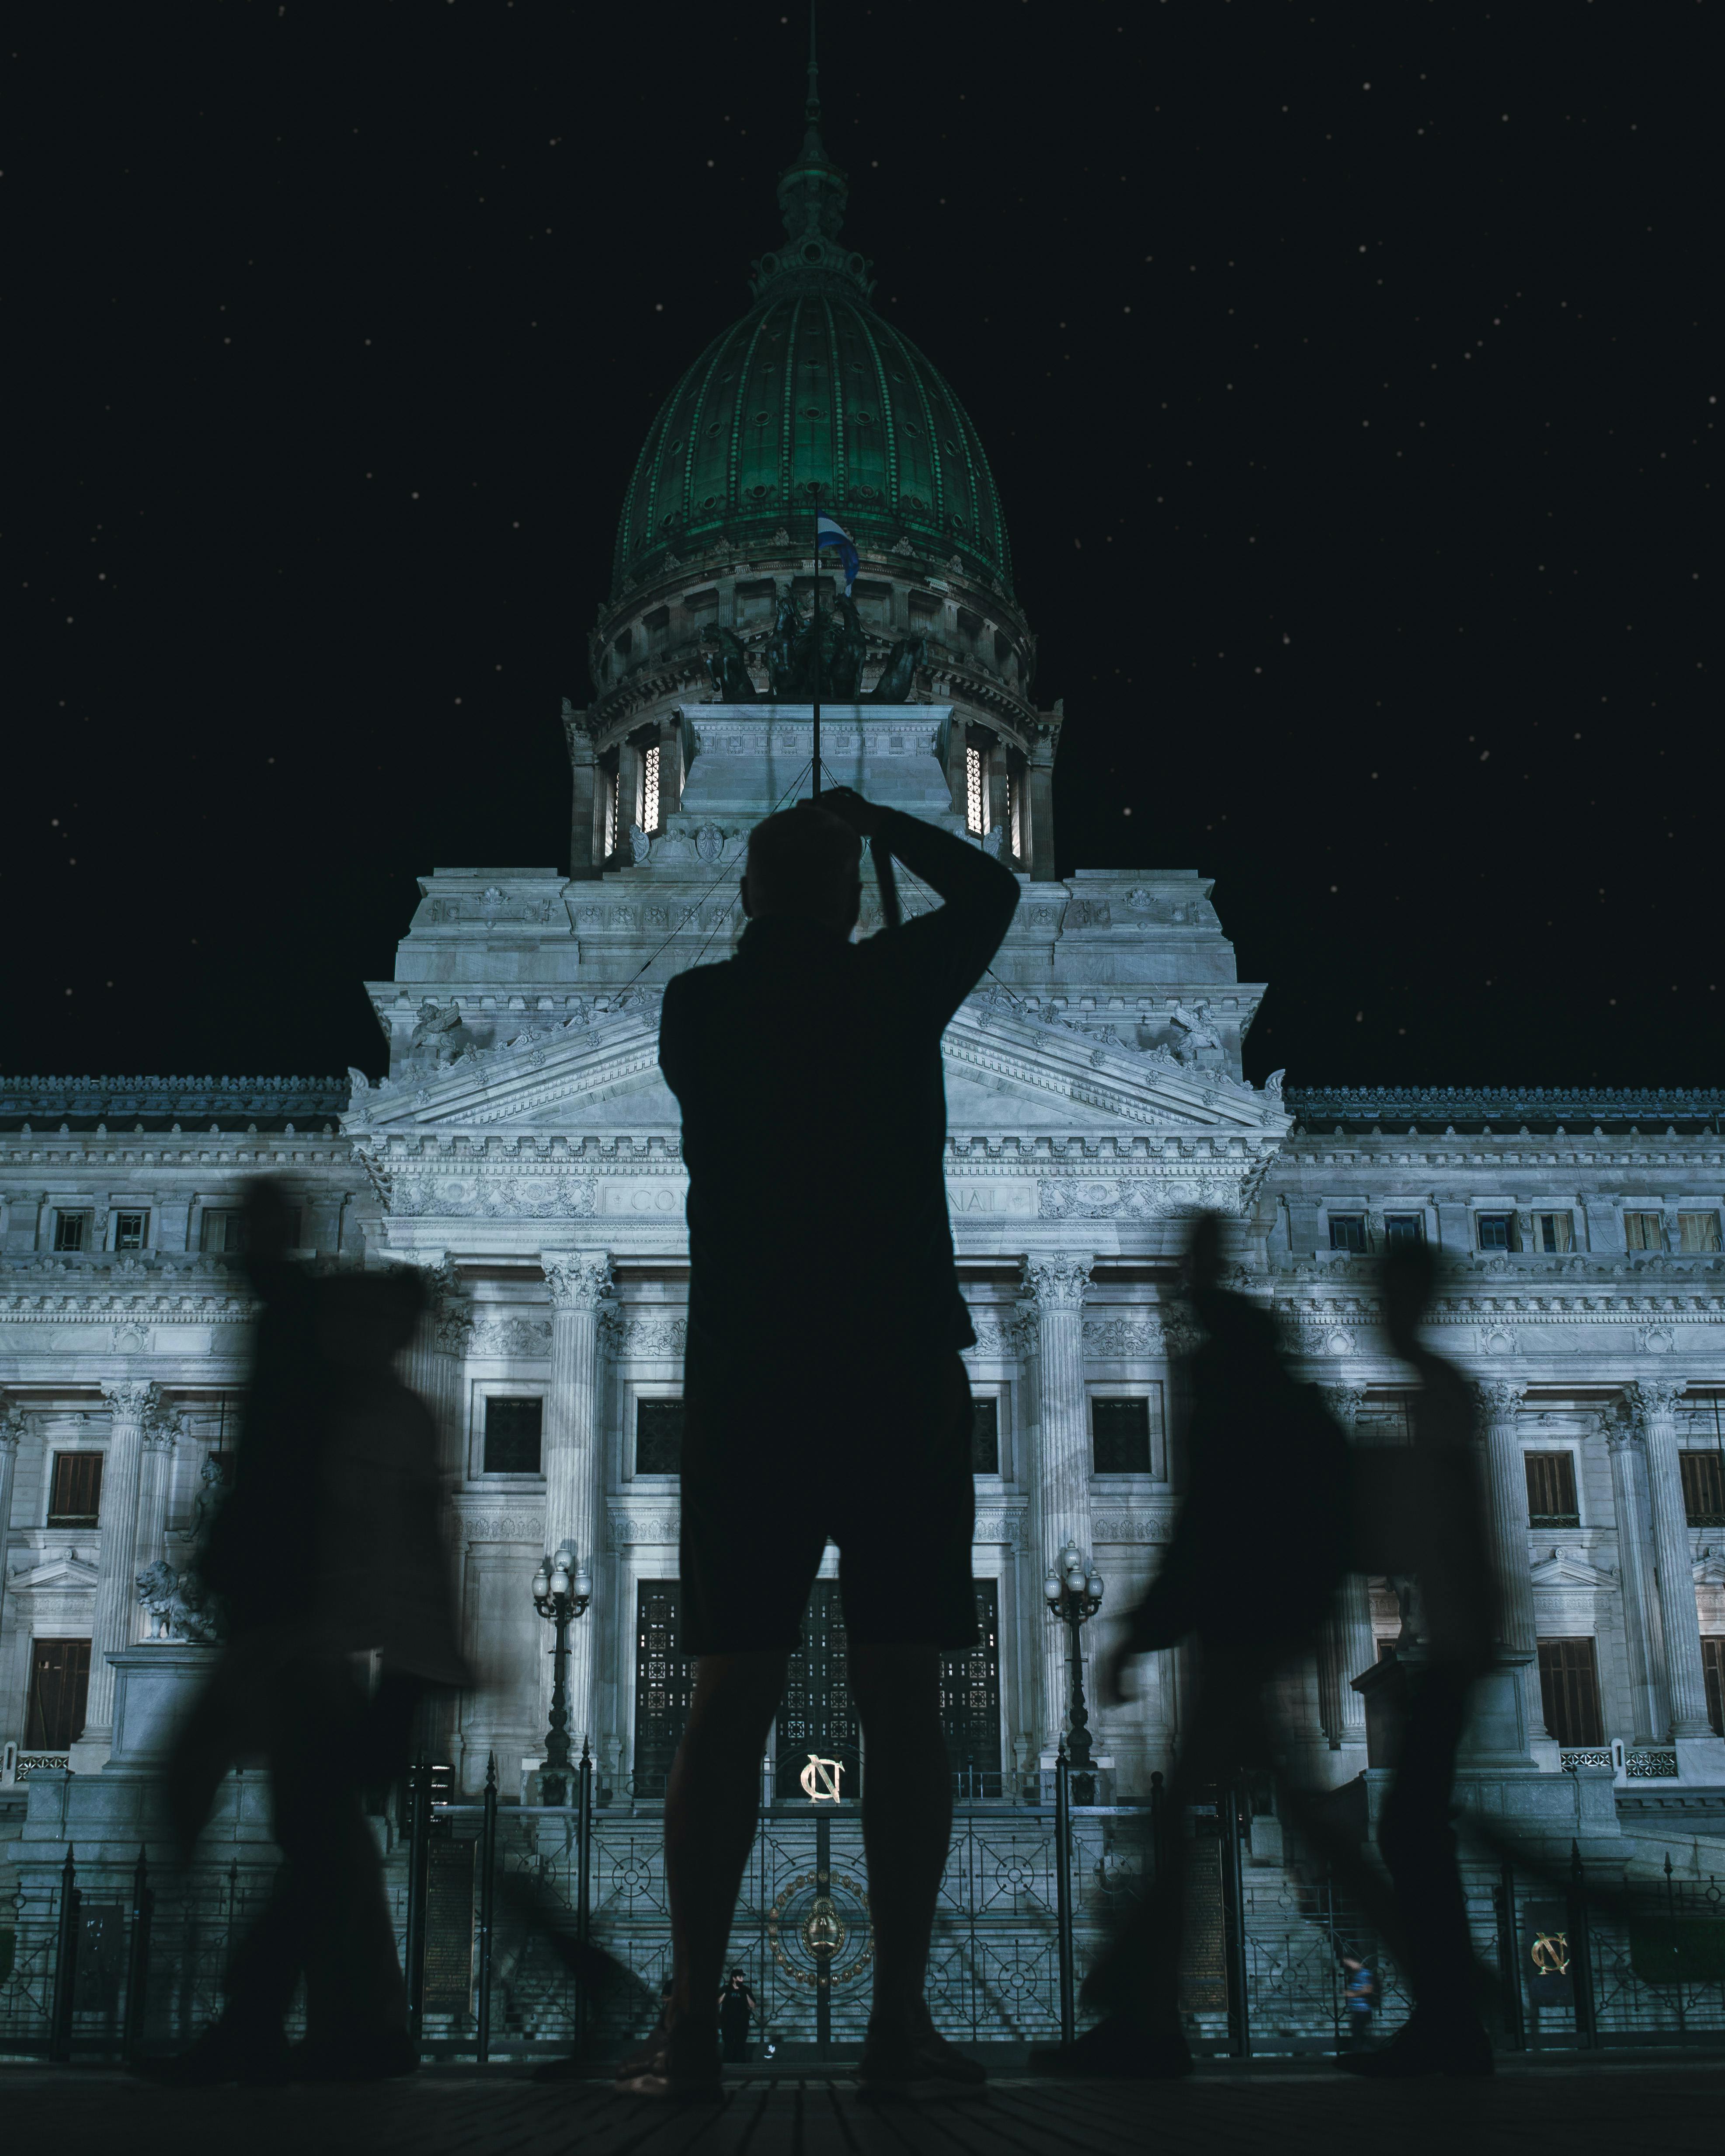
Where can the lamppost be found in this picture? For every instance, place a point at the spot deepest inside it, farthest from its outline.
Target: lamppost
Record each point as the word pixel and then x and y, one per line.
pixel 558 1600
pixel 1072 1597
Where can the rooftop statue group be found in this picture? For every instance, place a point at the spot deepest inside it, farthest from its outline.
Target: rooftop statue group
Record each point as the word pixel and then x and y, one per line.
pixel 805 658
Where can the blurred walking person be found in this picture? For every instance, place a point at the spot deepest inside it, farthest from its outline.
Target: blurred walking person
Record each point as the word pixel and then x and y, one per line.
pixel 1255 1558
pixel 341 1617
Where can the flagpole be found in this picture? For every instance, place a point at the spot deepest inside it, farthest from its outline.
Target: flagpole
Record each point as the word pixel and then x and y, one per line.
pixel 816 792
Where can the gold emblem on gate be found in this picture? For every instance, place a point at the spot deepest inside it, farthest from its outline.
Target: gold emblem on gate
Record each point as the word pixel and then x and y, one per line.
pixel 820 1779
pixel 1551 1953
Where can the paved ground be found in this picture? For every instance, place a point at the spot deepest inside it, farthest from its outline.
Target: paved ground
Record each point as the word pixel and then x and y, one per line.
pixel 1610 2105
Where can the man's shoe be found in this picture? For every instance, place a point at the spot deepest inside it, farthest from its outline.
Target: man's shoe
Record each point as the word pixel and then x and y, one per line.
pixel 384 2055
pixel 1464 2052
pixel 913 2057
pixel 669 2074
pixel 218 2058
pixel 1117 2048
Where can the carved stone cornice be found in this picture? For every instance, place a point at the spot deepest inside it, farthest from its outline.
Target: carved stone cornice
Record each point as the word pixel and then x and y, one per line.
pixel 1057 1282
pixel 579 1280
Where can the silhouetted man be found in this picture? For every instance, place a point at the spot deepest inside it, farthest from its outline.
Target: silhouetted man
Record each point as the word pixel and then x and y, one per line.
pixel 1424 1511
pixel 1255 1557
pixel 328 1555
pixel 824 1395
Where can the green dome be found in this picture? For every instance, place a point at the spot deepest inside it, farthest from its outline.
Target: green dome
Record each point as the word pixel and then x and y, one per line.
pixel 812 400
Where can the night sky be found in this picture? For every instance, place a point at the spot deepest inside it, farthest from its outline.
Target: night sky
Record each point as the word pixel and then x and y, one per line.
pixel 1342 371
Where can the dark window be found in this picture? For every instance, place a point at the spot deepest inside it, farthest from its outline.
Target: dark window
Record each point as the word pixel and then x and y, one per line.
pixel 74 1496
pixel 223 1231
pixel 71 1231
pixel 513 1428
pixel 663 1676
pixel 1703 1488
pixel 59 1683
pixel 817 1713
pixel 1569 1692
pixel 1119 1436
pixel 1551 1489
pixel 1643 1231
pixel 970 1702
pixel 1404 1227
pixel 658 1437
pixel 1347 1231
pixel 1712 1669
pixel 658 619
pixel 1495 1229
pixel 985 1437
pixel 130 1230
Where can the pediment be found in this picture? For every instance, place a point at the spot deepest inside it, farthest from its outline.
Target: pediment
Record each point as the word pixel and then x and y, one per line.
pixel 65 1570
pixel 1561 1570
pixel 581 1073
pixel 1007 1069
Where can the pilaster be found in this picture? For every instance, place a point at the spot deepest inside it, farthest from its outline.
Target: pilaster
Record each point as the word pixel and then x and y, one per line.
pixel 1653 1403
pixel 1058 1475
pixel 132 1403
pixel 1649 1696
pixel 1347 1647
pixel 578 1280
pixel 161 1433
pixel 13 1426
pixel 1500 1401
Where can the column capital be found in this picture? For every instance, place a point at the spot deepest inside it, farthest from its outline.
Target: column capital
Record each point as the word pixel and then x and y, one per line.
pixel 1500 1398
pixel 14 1424
pixel 163 1427
pixel 129 1398
pixel 1622 1427
pixel 1057 1281
pixel 578 1279
pixel 1647 1400
pixel 1345 1402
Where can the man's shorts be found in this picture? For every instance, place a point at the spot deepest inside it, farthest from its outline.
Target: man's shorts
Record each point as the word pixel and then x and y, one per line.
pixel 778 1461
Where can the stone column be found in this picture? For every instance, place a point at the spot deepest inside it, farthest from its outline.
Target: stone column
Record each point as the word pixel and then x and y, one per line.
pixel 12 1426
pixel 1653 1403
pixel 161 1431
pixel 578 1279
pixel 1500 1401
pixel 130 1402
pixel 1058 1474
pixel 1346 1647
pixel 1650 1698
pixel 436 1356
pixel 586 835
pixel 1039 788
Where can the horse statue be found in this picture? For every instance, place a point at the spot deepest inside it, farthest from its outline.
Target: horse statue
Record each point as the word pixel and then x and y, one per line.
pixel 899 675
pixel 727 663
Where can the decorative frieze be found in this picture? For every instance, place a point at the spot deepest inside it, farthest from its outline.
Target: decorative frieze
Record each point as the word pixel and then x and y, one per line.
pixel 510 1339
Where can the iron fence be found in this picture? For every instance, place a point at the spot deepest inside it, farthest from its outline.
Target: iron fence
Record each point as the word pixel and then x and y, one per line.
pixel 494 1907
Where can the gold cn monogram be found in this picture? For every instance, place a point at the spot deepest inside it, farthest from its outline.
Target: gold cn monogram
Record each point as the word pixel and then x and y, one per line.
pixel 1551 1953
pixel 820 1779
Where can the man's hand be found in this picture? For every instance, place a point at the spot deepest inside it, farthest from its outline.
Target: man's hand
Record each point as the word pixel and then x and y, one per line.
pixel 849 806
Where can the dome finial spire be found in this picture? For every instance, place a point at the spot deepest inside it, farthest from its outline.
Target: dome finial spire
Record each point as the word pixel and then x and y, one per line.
pixel 813 144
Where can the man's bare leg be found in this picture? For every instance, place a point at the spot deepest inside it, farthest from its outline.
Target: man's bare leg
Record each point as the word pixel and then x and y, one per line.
pixel 710 1812
pixel 907 1816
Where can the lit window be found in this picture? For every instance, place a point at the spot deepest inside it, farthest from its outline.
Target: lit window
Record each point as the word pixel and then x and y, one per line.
pixel 1347 1231
pixel 613 813
pixel 649 789
pixel 1497 1231
pixel 1697 1231
pixel 1643 1231
pixel 1553 1232
pixel 130 1230
pixel 976 794
pixel 1016 814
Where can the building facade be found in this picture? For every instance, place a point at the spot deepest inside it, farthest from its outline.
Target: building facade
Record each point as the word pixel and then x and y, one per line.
pixel 521 1149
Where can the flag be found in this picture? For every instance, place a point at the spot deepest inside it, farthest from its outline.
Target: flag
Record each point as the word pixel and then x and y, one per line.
pixel 829 537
